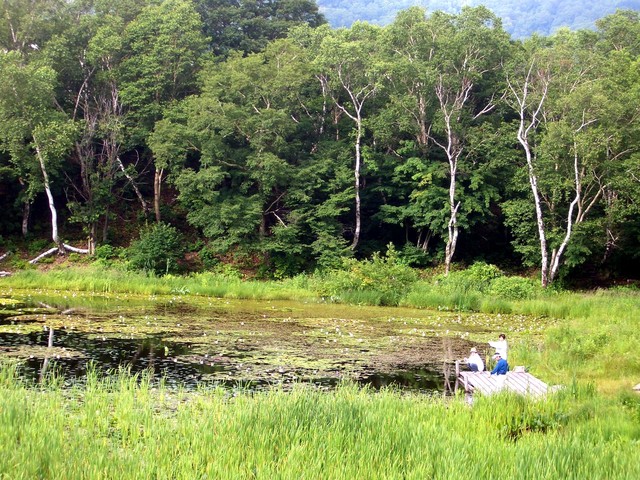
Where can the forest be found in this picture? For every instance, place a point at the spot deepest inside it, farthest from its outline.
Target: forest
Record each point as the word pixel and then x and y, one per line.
pixel 254 133
pixel 521 18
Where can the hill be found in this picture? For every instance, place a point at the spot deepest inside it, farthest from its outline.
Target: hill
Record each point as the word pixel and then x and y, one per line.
pixel 521 18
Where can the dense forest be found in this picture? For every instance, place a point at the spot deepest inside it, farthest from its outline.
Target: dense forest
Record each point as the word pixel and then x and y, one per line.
pixel 521 18
pixel 252 131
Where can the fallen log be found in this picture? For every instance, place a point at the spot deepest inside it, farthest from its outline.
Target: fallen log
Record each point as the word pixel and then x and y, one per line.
pixel 4 255
pixel 4 274
pixel 42 255
pixel 55 249
pixel 75 249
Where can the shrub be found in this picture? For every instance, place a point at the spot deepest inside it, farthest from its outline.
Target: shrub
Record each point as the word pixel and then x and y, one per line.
pixel 75 258
pixel 414 256
pixel 514 288
pixel 477 277
pixel 158 250
pixel 105 252
pixel 385 279
pixel 39 245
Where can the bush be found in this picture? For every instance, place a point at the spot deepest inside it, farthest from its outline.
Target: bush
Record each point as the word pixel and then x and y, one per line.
pixel 158 250
pixel 39 245
pixel 514 288
pixel 105 252
pixel 382 280
pixel 478 277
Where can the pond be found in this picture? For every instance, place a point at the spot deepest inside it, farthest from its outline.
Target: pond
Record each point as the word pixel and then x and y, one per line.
pixel 191 341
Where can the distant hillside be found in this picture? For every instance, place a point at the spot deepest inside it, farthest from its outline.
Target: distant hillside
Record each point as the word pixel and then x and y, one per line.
pixel 521 18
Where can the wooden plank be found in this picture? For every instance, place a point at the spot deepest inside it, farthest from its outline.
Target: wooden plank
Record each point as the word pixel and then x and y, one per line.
pixel 526 383
pixel 519 382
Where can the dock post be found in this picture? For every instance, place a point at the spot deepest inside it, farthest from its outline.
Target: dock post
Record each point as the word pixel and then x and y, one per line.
pixel 457 375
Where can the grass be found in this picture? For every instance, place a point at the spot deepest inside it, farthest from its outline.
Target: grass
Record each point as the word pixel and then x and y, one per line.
pixel 124 427
pixel 107 280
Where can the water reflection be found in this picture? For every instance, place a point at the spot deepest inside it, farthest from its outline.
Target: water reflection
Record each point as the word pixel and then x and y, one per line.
pixel 244 361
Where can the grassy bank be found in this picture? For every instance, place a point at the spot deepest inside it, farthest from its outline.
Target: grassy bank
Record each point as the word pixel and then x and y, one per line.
pixel 109 280
pixel 124 428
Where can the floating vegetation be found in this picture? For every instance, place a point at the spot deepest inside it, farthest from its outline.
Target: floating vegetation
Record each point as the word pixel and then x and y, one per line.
pixel 202 340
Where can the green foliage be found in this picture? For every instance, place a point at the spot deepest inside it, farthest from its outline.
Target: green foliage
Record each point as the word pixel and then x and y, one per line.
pixel 38 245
pixel 514 288
pixel 21 264
pixel 382 280
pixel 250 26
pixel 107 255
pixel 477 278
pixel 265 147
pixel 158 250
pixel 106 252
pixel 413 256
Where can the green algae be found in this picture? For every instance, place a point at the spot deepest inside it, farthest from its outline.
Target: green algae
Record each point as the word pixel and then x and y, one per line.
pixel 250 340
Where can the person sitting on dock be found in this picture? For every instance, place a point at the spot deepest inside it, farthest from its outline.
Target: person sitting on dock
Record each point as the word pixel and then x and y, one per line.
pixel 501 345
pixel 475 362
pixel 502 367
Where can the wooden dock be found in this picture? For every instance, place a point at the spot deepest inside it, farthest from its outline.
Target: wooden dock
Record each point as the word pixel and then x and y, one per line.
pixel 484 383
pixel 519 382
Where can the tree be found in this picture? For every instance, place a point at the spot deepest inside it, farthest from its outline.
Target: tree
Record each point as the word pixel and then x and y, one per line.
pixel 468 48
pixel 163 50
pixel 560 104
pixel 27 25
pixel 249 25
pixel 239 136
pixel 444 78
pixel 346 68
pixel 34 133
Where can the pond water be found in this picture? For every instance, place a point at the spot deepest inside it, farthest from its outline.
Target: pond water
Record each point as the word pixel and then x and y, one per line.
pixel 191 341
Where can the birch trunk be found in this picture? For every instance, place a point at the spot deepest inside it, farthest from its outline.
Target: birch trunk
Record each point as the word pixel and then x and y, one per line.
pixel 143 203
pixel 356 174
pixel 530 113
pixel 52 207
pixel 358 99
pixel 157 190
pixel 26 213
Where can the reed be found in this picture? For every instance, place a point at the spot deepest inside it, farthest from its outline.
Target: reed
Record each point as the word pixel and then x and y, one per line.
pixel 125 427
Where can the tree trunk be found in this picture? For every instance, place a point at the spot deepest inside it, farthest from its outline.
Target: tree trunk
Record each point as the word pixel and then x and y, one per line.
pixel 52 207
pixel 452 240
pixel 530 117
pixel 356 174
pixel 157 190
pixel 542 235
pixel 26 213
pixel 91 243
pixel 143 203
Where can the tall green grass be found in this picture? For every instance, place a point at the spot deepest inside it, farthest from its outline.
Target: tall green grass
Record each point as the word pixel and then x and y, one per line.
pixel 108 280
pixel 123 427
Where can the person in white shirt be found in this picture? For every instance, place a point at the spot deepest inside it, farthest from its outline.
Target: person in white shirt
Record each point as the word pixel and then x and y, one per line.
pixel 475 362
pixel 501 345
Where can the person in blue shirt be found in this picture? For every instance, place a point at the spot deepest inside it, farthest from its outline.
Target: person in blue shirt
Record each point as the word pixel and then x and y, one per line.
pixel 502 367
